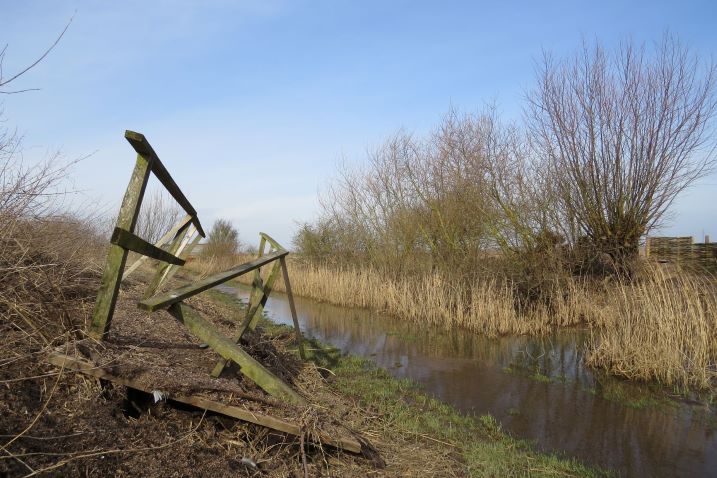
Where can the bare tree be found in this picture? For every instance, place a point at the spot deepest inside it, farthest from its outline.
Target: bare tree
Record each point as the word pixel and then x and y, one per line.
pixel 158 214
pixel 4 81
pixel 223 239
pixel 426 200
pixel 619 135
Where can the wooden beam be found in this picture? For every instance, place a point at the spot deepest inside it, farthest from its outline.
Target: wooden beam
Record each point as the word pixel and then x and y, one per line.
pixel 290 295
pixel 262 419
pixel 162 240
pixel 252 369
pixel 132 242
pixel 117 256
pixel 165 300
pixel 143 148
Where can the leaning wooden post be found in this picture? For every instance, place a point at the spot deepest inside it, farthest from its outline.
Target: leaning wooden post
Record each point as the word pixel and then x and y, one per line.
pixel 183 254
pixel 253 312
pixel 290 295
pixel 162 240
pixel 117 256
pixel 230 351
pixel 255 295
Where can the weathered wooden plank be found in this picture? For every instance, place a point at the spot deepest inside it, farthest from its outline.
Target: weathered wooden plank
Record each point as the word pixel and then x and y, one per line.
pixel 117 256
pixel 290 295
pixel 142 146
pixel 162 240
pixel 268 421
pixel 132 242
pixel 229 350
pixel 165 300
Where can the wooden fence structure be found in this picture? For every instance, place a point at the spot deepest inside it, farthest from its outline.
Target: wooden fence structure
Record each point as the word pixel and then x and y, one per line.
pixel 683 251
pixel 171 250
pixel 178 238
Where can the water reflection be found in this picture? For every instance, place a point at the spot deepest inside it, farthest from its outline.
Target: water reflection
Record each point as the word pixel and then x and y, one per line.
pixel 537 388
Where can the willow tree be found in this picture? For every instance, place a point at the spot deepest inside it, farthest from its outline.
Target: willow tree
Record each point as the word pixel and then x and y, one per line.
pixel 620 134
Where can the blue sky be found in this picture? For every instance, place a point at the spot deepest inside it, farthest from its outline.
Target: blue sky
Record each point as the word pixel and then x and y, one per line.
pixel 251 105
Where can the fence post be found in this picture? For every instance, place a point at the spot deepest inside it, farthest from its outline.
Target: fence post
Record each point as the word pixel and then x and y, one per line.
pixel 290 295
pixel 117 256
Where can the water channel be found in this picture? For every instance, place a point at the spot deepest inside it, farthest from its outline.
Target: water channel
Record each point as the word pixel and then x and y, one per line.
pixel 538 388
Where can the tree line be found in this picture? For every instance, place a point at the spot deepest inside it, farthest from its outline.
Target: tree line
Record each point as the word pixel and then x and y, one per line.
pixel 607 141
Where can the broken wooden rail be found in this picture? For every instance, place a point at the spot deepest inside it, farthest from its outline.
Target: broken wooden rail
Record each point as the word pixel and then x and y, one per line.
pixel 171 250
pixel 81 366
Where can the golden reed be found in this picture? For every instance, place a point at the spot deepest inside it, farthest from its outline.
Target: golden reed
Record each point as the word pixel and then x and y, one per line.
pixel 661 327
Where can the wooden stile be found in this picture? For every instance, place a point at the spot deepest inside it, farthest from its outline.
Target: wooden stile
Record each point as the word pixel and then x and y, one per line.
pixel 172 249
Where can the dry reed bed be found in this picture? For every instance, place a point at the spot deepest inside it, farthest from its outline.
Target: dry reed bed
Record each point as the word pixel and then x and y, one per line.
pixel 487 307
pixel 665 329
pixel 661 327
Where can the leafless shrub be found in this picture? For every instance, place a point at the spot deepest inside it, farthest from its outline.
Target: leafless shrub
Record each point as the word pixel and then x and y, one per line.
pixel 223 240
pixel 419 203
pixel 158 214
pixel 619 135
pixel 47 258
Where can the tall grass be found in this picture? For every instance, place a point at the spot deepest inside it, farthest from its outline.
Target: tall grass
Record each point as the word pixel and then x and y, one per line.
pixel 664 329
pixel 490 306
pixel 662 326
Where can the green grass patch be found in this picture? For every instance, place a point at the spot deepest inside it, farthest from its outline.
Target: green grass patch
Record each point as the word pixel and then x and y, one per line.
pixel 485 448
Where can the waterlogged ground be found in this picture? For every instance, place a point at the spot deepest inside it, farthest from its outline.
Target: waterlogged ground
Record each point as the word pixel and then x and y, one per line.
pixel 538 389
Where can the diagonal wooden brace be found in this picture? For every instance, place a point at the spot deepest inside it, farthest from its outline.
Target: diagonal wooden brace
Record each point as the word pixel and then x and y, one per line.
pixel 256 308
pixel 229 350
pixel 162 240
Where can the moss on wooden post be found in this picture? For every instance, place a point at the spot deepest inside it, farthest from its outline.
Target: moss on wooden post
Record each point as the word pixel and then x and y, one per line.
pixel 117 256
pixel 290 295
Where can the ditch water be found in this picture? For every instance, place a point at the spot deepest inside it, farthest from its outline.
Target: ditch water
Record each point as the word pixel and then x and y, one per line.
pixel 538 389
